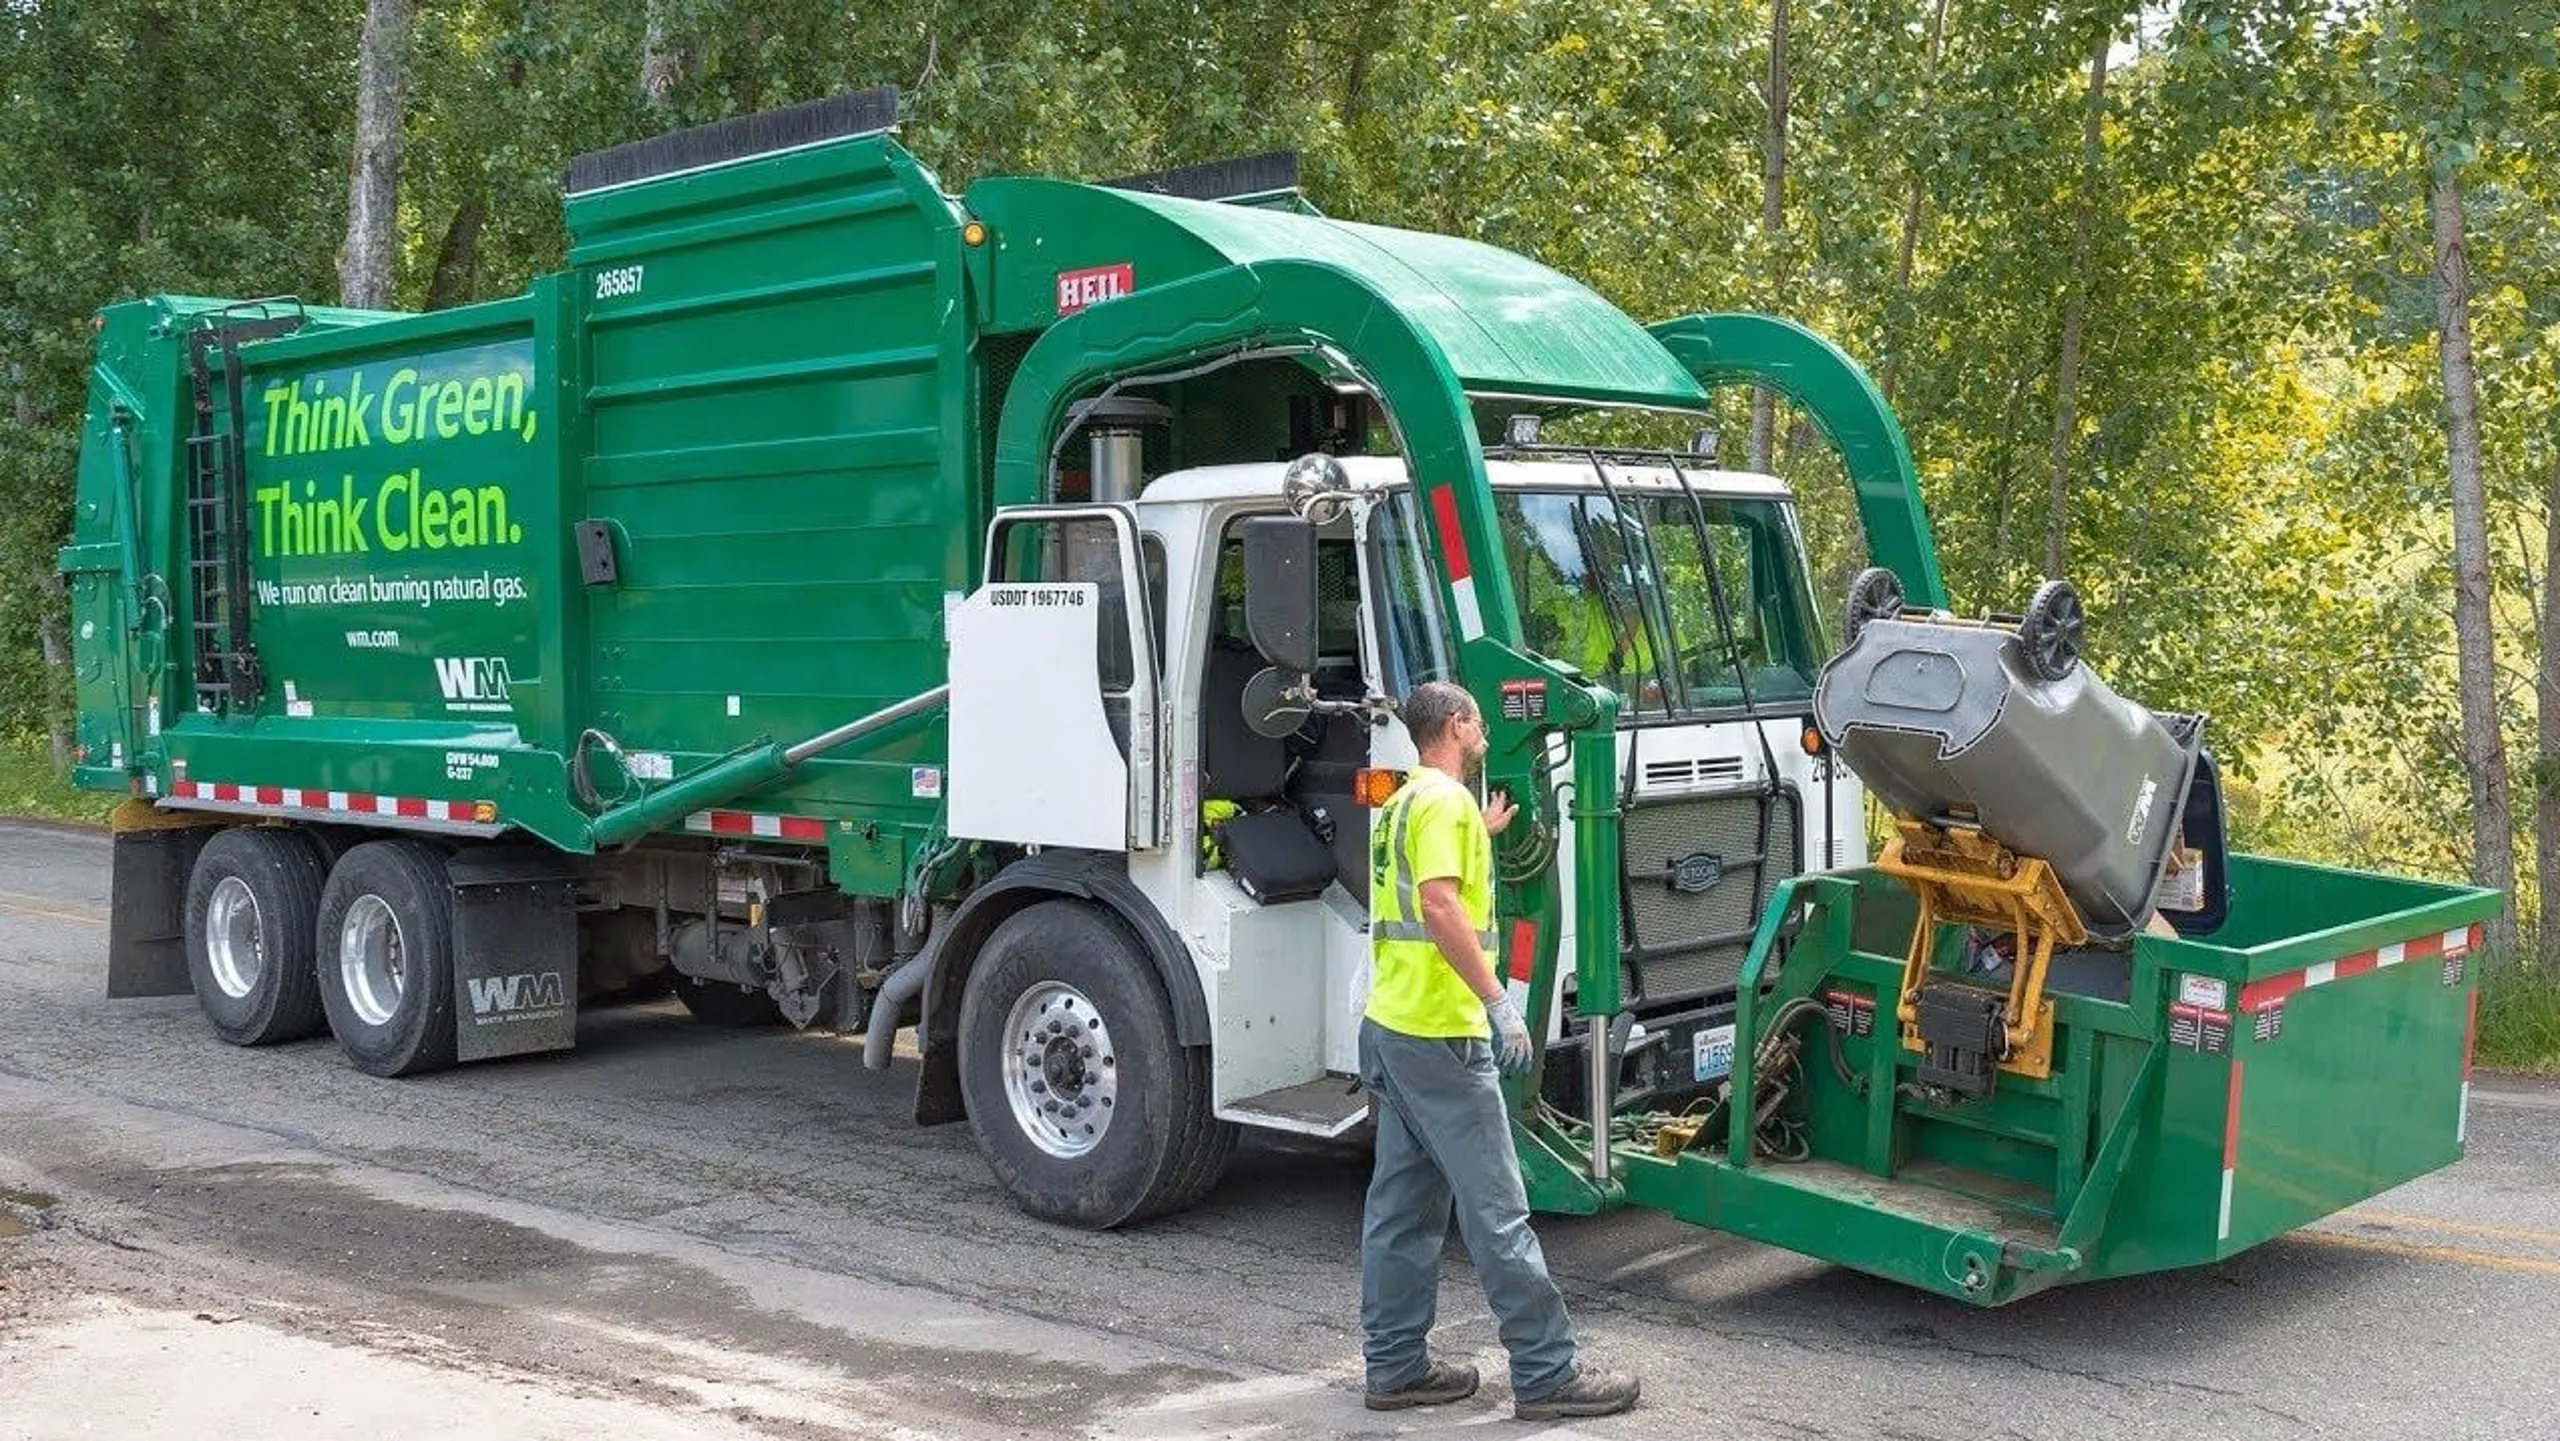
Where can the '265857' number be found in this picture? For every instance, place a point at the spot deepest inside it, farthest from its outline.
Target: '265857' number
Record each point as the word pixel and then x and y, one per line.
pixel 619 281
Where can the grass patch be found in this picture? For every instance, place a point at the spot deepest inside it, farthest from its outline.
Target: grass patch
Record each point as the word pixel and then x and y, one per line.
pixel 2519 1018
pixel 29 787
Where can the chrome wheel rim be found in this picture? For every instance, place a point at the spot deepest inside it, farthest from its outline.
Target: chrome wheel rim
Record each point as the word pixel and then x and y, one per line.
pixel 235 938
pixel 372 960
pixel 1061 1075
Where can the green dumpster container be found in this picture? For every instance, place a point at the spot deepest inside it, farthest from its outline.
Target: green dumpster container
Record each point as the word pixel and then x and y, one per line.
pixel 2208 1093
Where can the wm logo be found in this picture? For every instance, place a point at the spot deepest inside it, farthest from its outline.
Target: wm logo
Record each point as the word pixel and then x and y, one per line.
pixel 481 678
pixel 530 991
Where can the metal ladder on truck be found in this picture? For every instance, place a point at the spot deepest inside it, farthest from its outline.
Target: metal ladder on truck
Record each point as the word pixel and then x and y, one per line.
pixel 219 588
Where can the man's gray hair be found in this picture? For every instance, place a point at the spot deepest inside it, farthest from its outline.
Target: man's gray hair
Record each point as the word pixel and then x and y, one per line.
pixel 1432 707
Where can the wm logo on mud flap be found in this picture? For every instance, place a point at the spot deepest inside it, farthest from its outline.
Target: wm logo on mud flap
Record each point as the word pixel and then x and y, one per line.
pixel 504 996
pixel 474 683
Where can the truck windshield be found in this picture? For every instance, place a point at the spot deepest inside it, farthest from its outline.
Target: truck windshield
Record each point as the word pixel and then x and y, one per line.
pixel 1678 605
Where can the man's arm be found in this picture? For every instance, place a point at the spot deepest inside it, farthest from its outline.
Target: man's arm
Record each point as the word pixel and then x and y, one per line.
pixel 1445 917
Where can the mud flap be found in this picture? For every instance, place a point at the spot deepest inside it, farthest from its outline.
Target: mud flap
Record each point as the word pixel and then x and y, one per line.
pixel 515 954
pixel 147 901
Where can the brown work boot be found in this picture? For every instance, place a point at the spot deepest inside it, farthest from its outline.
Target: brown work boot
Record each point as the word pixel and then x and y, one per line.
pixel 1442 1383
pixel 1591 1392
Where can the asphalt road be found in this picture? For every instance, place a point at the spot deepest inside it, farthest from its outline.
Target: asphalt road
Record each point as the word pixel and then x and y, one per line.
pixel 680 1231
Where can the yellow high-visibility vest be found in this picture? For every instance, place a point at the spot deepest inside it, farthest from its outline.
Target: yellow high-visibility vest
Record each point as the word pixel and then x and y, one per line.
pixel 1430 829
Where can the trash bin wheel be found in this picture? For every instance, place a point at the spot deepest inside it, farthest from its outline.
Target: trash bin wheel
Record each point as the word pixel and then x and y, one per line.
pixel 2050 633
pixel 1875 595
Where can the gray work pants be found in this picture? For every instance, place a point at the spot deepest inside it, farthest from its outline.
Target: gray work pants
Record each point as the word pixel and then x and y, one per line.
pixel 1444 1142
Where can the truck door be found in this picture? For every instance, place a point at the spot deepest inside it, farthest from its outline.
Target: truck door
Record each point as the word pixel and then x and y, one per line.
pixel 109 581
pixel 1053 687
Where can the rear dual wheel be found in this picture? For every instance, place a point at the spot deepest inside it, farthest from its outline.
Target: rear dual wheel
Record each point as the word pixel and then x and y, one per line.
pixel 385 940
pixel 252 902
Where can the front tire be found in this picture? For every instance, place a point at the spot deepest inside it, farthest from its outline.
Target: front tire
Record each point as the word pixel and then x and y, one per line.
pixel 386 958
pixel 252 900
pixel 1087 1106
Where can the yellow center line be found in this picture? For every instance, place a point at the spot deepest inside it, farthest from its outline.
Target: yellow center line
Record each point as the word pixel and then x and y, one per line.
pixel 2403 1221
pixel 18 910
pixel 30 898
pixel 2456 1255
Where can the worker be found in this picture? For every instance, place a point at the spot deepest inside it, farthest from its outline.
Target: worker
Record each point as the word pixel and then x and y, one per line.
pixel 1570 620
pixel 1590 637
pixel 1438 1018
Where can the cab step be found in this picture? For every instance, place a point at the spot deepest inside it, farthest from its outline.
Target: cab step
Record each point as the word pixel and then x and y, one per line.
pixel 1328 1106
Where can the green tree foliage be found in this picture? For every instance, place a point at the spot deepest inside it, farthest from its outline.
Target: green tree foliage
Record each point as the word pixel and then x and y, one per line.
pixel 145 150
pixel 2258 498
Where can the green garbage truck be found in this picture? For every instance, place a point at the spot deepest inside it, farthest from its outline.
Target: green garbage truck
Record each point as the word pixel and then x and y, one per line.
pixel 861 607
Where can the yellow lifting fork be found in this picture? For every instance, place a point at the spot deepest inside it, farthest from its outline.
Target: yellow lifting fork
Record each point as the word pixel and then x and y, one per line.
pixel 1964 877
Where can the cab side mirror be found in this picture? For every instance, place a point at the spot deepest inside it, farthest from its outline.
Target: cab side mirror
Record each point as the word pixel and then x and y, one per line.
pixel 1280 591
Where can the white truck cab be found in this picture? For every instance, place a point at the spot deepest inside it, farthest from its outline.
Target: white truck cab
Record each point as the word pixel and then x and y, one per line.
pixel 1240 795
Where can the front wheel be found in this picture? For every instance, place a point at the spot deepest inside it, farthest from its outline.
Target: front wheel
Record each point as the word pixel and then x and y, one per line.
pixel 1088 1107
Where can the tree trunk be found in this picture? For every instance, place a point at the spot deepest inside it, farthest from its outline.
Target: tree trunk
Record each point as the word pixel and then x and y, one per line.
pixel 1365 40
pixel 750 80
pixel 2546 769
pixel 2075 310
pixel 1994 568
pixel 1773 220
pixel 1914 204
pixel 373 190
pixel 2484 747
pixel 661 63
pixel 457 271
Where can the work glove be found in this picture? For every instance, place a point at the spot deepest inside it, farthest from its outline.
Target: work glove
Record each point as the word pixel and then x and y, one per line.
pixel 1510 1034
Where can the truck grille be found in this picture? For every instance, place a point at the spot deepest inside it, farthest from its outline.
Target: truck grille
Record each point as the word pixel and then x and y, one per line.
pixel 1691 773
pixel 1697 880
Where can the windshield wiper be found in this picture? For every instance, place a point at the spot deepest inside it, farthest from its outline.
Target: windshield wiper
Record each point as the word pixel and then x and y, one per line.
pixel 1657 621
pixel 1596 577
pixel 1622 634
pixel 1733 647
pixel 1729 641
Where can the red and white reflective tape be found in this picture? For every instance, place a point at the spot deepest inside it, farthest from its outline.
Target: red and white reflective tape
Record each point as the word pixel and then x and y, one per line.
pixel 347 803
pixel 744 823
pixel 2470 1037
pixel 1522 963
pixel 2272 991
pixel 2452 945
pixel 2230 1152
pixel 1524 950
pixel 1453 556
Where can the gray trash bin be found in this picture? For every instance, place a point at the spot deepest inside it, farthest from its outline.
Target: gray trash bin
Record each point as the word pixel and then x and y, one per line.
pixel 1945 721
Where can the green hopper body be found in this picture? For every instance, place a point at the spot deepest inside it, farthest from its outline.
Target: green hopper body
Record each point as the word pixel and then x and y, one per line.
pixel 779 397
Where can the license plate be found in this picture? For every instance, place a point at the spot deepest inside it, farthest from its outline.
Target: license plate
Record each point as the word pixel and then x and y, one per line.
pixel 1711 1053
